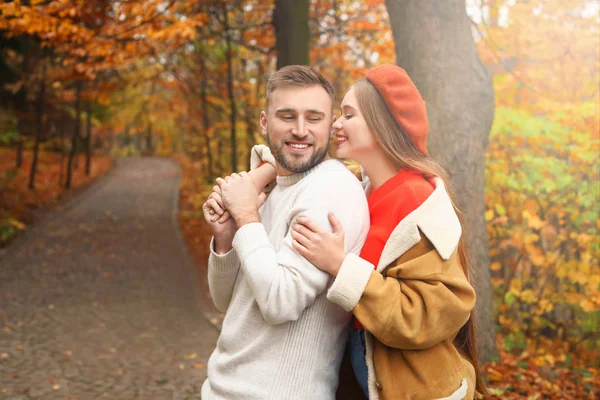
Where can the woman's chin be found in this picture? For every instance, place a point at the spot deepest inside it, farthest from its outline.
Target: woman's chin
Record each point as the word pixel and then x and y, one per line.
pixel 341 152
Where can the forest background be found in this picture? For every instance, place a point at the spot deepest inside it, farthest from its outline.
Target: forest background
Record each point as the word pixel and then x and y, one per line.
pixel 83 83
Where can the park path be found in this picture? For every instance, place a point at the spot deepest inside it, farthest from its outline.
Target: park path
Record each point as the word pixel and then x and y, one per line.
pixel 99 300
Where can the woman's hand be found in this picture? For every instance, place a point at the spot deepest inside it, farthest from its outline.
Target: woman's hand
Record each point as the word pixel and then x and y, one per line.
pixel 325 250
pixel 215 208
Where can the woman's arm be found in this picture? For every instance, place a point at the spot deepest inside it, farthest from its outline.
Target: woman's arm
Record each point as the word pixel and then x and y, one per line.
pixel 262 176
pixel 422 301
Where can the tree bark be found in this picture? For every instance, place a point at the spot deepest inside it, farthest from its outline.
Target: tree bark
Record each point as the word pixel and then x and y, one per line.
pixel 20 145
pixel 76 134
pixel 435 46
pixel 88 139
pixel 290 19
pixel 232 106
pixel 249 118
pixel 205 118
pixel 62 157
pixel 39 127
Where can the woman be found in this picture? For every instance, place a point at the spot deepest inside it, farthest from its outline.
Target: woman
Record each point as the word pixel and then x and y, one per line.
pixel 409 290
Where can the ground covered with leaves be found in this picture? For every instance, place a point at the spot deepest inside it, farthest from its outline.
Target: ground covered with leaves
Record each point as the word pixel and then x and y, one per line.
pixel 550 370
pixel 18 203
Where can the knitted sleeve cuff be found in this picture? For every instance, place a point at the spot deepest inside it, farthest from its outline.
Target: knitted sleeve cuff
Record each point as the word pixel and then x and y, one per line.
pixel 350 282
pixel 221 264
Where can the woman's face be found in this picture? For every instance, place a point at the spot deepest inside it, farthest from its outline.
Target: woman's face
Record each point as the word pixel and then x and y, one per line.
pixel 354 140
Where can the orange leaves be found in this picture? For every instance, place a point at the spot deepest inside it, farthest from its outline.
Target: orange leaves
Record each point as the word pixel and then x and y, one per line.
pixel 547 371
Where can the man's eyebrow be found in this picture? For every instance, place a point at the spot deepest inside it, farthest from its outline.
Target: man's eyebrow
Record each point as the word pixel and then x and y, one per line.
pixel 291 110
pixel 285 110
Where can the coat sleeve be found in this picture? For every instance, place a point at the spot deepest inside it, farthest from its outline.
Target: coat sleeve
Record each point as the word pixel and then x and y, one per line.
pixel 422 301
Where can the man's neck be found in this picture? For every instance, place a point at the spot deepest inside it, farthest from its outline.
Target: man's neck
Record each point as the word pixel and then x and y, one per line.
pixel 284 172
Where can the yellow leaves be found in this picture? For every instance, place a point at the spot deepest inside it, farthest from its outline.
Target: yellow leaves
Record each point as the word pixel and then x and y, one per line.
pixel 528 297
pixel 489 215
pixel 544 306
pixel 544 359
pixel 17 224
pixel 496 266
pixel 536 255
pixel 573 298
pixel 533 221
pixel 588 306
pixel 494 375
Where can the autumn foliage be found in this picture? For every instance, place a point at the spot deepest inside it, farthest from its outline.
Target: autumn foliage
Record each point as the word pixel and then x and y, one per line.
pixel 188 78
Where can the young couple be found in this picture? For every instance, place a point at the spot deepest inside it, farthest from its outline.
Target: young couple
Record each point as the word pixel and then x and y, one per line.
pixel 316 273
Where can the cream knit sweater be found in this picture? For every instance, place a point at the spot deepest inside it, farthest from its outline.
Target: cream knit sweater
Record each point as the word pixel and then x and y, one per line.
pixel 281 338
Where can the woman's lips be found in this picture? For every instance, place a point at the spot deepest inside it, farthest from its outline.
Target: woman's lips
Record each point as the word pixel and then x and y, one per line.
pixel 340 139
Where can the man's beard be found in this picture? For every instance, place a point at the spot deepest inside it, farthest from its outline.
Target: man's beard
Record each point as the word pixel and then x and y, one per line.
pixel 293 164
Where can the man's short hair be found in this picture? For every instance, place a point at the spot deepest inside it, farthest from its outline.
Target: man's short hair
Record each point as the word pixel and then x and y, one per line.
pixel 298 76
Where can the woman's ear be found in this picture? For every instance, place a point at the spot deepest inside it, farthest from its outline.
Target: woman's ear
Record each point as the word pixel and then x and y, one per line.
pixel 263 124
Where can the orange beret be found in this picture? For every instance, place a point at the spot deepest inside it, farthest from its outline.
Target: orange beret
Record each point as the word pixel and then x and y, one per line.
pixel 404 102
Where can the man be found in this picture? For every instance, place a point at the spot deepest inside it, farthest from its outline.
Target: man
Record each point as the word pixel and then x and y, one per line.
pixel 281 338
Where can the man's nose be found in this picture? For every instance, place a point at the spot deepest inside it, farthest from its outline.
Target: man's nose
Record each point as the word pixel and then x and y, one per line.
pixel 300 127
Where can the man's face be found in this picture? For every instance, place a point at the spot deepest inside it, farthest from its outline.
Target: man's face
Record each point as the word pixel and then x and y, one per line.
pixel 297 126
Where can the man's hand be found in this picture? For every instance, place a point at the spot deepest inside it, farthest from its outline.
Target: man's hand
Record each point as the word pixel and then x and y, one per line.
pixel 222 231
pixel 240 198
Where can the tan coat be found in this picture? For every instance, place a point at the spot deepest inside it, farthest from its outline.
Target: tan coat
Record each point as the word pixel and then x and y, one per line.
pixel 412 306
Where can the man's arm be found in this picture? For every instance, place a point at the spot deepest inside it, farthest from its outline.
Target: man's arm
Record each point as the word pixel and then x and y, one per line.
pixel 283 282
pixel 222 274
pixel 223 264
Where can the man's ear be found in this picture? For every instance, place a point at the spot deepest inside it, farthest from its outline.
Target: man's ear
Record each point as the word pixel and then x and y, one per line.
pixel 263 124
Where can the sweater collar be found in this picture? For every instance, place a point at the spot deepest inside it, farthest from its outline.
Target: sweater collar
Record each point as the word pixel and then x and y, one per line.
pixel 437 220
pixel 290 180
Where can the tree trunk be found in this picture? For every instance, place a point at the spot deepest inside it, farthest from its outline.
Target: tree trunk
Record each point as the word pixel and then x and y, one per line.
pixel 292 33
pixel 20 145
pixel 62 157
pixel 233 112
pixel 88 139
pixel 38 127
pixel 75 134
pixel 249 119
pixel 435 46
pixel 149 144
pixel 205 118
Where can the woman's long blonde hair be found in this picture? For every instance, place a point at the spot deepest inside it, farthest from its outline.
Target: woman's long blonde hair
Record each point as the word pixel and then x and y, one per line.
pixel 400 149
